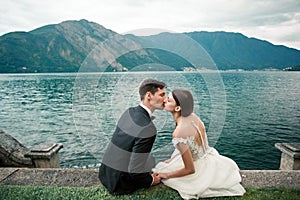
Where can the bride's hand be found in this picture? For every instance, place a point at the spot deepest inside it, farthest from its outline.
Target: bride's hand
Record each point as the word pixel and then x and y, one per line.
pixel 163 175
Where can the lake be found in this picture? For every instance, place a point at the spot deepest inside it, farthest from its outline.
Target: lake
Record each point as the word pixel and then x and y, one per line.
pixel 245 113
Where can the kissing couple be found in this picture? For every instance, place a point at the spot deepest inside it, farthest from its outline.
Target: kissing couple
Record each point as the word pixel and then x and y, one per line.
pixel 194 169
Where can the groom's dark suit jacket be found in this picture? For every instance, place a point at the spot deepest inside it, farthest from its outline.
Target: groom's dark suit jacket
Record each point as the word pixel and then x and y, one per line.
pixel 127 164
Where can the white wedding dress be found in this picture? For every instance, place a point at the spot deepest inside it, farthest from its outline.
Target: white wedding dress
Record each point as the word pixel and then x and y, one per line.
pixel 215 175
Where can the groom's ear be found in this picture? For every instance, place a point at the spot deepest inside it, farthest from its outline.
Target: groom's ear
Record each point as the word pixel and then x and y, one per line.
pixel 148 95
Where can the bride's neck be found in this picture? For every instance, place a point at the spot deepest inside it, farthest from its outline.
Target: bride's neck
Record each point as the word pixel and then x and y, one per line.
pixel 177 118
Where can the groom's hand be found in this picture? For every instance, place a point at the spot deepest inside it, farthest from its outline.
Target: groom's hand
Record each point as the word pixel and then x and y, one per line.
pixel 156 179
pixel 163 175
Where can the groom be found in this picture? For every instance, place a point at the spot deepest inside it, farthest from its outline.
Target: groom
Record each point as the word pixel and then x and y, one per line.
pixel 127 163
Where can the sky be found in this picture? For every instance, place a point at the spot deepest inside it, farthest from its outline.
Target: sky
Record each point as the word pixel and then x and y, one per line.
pixel 276 21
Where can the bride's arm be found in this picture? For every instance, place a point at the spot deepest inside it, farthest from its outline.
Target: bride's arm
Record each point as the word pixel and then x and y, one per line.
pixel 169 160
pixel 172 157
pixel 187 160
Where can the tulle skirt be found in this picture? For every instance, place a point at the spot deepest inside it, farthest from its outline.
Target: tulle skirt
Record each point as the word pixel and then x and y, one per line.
pixel 215 175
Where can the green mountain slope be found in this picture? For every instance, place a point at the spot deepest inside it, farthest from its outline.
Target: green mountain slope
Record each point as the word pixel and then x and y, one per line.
pixel 64 47
pixel 53 48
pixel 236 51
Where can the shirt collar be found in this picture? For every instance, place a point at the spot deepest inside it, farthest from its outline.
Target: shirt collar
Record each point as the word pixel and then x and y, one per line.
pixel 147 109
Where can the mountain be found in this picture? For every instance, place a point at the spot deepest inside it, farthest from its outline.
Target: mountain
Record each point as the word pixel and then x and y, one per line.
pixel 236 51
pixel 67 46
pixel 52 48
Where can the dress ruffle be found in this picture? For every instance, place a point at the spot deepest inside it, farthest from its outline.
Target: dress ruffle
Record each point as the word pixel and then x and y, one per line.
pixel 215 175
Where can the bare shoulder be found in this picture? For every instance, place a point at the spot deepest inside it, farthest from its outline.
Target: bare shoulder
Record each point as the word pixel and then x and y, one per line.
pixel 184 130
pixel 180 132
pixel 198 122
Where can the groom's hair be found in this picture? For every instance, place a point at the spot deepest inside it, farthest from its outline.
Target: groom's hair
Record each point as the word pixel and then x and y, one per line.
pixel 150 85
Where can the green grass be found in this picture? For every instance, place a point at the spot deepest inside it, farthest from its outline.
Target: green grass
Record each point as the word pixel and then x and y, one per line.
pixel 80 193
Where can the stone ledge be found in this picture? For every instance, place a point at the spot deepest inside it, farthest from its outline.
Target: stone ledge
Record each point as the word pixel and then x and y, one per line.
pixel 270 178
pixel 51 177
pixel 70 177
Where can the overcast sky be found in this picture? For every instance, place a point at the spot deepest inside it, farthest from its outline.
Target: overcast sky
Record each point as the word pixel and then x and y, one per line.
pixel 277 21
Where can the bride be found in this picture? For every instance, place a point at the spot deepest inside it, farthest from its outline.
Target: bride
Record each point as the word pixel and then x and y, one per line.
pixel 195 169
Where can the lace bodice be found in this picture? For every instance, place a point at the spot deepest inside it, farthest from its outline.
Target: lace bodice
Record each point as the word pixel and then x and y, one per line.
pixel 196 150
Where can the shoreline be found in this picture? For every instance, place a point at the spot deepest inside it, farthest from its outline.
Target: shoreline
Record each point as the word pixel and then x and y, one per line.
pixel 71 177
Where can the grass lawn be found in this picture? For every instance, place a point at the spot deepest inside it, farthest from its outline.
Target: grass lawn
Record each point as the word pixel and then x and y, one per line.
pixel 73 193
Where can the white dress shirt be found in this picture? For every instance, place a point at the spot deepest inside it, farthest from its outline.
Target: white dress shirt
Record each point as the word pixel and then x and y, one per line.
pixel 147 109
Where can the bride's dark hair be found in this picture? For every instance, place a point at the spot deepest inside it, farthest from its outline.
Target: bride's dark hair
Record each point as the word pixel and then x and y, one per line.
pixel 185 100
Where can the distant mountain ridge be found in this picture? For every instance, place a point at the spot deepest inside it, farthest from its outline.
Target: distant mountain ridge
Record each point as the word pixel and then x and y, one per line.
pixel 63 47
pixel 236 51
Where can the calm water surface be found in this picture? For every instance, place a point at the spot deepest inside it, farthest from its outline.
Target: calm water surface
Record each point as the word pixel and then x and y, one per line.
pixel 245 113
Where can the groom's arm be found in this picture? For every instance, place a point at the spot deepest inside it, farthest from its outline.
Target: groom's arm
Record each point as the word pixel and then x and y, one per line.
pixel 141 162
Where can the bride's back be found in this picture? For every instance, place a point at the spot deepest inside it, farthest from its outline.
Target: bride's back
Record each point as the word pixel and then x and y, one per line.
pixel 189 127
